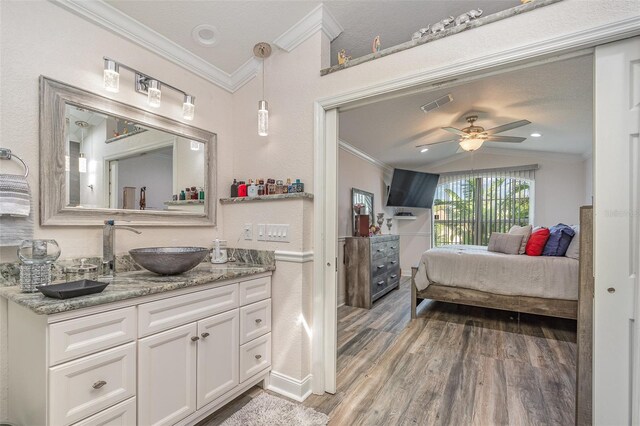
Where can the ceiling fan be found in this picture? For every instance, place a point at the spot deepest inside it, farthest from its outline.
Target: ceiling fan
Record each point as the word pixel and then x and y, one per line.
pixel 472 137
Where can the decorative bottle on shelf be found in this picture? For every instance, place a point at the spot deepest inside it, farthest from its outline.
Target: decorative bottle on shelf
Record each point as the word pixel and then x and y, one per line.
pixel 234 189
pixel 252 190
pixel 183 196
pixel 279 187
pixel 201 194
pixel 291 188
pixel 260 186
pixel 299 186
pixel 242 189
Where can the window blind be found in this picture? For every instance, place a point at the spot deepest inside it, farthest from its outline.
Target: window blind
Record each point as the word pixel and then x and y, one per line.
pixel 470 205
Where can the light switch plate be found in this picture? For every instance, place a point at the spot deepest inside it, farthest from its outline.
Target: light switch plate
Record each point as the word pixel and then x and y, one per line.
pixel 277 232
pixel 261 232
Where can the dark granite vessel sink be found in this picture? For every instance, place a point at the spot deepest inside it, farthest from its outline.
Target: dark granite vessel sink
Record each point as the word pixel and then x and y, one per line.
pixel 169 260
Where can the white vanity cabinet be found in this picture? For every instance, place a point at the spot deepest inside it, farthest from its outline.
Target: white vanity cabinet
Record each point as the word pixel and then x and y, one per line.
pixel 166 359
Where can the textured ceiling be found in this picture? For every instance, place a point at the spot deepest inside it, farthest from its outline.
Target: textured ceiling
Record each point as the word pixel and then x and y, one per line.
pixel 557 98
pixel 241 24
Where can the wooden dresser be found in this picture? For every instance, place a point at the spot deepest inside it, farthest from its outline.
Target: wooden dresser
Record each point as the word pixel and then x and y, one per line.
pixel 372 268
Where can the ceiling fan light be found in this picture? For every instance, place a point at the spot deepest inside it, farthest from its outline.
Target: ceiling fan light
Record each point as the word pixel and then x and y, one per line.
pixel 471 144
pixel 536 134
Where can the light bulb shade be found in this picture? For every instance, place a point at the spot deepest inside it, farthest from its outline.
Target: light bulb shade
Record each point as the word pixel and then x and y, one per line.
pixel 154 93
pixel 188 107
pixel 471 144
pixel 263 118
pixel 111 77
pixel 82 163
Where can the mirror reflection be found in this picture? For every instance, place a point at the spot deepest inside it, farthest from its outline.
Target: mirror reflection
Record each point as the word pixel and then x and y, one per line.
pixel 119 164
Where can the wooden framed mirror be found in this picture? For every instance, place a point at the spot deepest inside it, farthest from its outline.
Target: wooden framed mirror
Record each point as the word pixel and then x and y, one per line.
pixel 102 159
pixel 358 196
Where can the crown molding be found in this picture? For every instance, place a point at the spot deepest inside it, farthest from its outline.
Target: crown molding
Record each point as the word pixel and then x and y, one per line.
pixel 112 19
pixel 318 19
pixel 364 156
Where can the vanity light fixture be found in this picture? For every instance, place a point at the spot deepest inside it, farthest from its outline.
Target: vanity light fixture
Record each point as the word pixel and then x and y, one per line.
pixel 262 50
pixel 146 85
pixel 188 109
pixel 111 76
pixel 154 94
pixel 82 160
pixel 82 163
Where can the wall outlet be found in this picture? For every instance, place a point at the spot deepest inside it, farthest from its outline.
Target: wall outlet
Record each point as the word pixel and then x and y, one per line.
pixel 247 231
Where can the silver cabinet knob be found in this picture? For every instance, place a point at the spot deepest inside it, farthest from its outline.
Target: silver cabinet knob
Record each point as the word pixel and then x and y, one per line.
pixel 258 320
pixel 611 290
pixel 99 384
pixel 380 266
pixel 204 335
pixel 380 282
pixel 258 356
pixel 394 276
pixel 195 338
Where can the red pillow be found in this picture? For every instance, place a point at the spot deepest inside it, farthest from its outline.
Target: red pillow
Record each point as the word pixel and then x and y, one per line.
pixel 536 242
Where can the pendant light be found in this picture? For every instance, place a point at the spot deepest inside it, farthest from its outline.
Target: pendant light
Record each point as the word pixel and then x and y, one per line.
pixel 82 160
pixel 262 50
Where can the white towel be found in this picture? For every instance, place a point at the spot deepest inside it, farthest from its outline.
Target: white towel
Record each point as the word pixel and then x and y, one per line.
pixel 15 195
pixel 16 214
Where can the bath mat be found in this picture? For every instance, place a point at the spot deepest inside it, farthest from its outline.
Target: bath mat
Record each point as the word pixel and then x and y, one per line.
pixel 269 410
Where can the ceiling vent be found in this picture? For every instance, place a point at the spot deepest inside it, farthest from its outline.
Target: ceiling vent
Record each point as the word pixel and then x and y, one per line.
pixel 437 103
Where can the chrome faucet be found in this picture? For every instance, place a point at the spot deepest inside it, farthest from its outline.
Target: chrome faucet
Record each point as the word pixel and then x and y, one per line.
pixel 109 246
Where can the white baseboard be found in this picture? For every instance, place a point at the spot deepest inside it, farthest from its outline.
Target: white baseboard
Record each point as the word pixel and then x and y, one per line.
pixel 298 390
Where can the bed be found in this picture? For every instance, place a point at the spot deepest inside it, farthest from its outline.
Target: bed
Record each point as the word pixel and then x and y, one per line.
pixel 472 275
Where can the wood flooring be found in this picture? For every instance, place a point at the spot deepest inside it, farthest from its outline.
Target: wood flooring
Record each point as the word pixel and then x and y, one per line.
pixel 453 365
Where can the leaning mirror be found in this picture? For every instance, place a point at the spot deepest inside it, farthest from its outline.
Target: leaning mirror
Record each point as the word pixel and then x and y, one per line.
pixel 364 200
pixel 112 160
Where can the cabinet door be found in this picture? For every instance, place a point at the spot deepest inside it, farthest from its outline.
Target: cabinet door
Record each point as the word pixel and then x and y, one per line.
pixel 218 355
pixel 167 376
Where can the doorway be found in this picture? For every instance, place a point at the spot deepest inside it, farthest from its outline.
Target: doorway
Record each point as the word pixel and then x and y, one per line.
pixel 326 140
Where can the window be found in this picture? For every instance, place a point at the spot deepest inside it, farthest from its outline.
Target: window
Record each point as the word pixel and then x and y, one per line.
pixel 468 207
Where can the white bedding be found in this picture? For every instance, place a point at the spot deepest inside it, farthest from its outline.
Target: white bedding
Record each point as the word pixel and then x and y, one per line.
pixel 476 268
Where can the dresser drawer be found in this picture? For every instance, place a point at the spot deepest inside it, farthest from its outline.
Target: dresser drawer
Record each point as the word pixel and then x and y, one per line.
pixel 378 250
pixel 255 290
pixel 83 336
pixel 123 414
pixel 379 283
pixel 378 268
pixel 175 311
pixel 392 262
pixel 255 320
pixel 84 387
pixel 393 247
pixel 255 356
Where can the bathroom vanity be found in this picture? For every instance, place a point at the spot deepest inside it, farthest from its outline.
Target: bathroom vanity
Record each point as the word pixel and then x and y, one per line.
pixel 150 349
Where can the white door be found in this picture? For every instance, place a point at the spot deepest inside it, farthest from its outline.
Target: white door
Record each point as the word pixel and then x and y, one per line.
pixel 167 376
pixel 617 231
pixel 218 354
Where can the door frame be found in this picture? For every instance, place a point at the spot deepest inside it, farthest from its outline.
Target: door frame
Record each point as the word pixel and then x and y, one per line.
pixel 324 337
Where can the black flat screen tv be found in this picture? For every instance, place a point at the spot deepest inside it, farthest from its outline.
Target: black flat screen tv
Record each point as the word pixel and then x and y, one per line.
pixel 412 189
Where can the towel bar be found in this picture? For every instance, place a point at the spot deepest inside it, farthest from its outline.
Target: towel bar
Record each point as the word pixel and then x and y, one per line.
pixel 5 154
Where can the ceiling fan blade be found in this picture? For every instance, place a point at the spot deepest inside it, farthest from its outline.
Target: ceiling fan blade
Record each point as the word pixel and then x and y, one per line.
pixel 506 127
pixel 436 143
pixel 505 139
pixel 454 130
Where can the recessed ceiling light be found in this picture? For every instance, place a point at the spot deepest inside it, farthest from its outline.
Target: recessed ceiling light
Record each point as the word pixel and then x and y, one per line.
pixel 536 135
pixel 205 35
pixel 424 150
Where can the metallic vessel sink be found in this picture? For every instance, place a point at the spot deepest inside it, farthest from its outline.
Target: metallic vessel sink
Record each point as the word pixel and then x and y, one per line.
pixel 169 260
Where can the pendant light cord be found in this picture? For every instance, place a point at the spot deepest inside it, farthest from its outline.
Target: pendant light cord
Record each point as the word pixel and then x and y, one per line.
pixel 262 78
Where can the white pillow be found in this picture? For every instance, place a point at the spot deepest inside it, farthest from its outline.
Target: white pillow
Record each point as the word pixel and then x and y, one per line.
pixel 573 251
pixel 525 231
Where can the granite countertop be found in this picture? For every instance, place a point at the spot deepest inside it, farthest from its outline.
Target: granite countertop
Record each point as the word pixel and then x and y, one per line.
pixel 129 285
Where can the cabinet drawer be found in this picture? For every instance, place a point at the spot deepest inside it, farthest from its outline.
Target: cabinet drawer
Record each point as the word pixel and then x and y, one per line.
pixel 175 311
pixel 255 290
pixel 86 386
pixel 83 336
pixel 378 250
pixel 378 268
pixel 123 414
pixel 255 356
pixel 255 320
